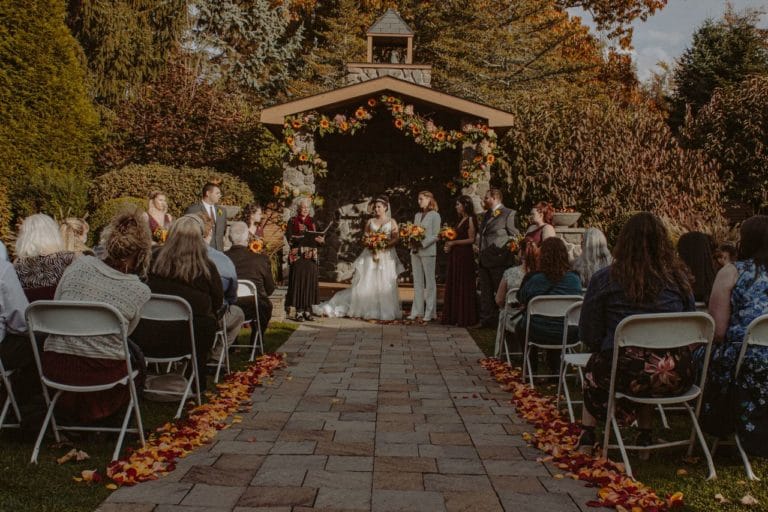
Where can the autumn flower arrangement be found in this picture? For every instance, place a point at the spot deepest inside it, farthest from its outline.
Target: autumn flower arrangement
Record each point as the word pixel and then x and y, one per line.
pixel 422 130
pixel 447 233
pixel 559 438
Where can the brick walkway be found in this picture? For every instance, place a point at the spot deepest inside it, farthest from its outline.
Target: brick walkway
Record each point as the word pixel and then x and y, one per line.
pixel 367 417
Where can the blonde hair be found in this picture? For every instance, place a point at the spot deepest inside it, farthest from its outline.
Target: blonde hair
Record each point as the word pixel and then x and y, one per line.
pixel 72 230
pixel 184 255
pixel 38 236
pixel 432 203
pixel 128 236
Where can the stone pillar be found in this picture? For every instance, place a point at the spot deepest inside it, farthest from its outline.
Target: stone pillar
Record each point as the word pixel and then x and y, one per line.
pixel 299 179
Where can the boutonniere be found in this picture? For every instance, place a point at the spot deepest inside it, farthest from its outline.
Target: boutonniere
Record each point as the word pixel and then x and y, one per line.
pixel 497 212
pixel 219 212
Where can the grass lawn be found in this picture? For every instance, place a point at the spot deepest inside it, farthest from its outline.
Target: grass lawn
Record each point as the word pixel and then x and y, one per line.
pixel 663 471
pixel 49 487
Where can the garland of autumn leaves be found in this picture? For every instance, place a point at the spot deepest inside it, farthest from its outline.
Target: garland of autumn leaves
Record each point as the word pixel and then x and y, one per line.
pixel 559 438
pixel 422 130
pixel 175 440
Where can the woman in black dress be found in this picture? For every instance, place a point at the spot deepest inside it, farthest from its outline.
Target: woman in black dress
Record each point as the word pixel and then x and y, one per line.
pixel 303 271
pixel 460 300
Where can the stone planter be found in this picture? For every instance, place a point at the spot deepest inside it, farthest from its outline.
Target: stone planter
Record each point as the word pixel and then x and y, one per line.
pixel 565 219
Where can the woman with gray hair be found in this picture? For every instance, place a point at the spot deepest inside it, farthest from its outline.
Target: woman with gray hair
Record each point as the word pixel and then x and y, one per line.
pixel 41 258
pixel 595 255
pixel 303 272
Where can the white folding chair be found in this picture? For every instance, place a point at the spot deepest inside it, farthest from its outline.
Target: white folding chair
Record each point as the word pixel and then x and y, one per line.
pixel 70 318
pixel 661 331
pixel 247 288
pixel 552 306
pixel 568 358
pixel 701 307
pixel 756 335
pixel 9 404
pixel 171 308
pixel 507 317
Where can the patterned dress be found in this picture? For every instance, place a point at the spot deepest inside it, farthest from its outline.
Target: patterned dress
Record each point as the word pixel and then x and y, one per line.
pixel 743 402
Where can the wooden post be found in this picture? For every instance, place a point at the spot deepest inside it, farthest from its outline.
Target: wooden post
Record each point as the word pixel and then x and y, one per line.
pixel 409 52
pixel 370 50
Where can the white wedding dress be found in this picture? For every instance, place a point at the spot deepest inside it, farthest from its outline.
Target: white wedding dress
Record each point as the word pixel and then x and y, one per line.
pixel 373 294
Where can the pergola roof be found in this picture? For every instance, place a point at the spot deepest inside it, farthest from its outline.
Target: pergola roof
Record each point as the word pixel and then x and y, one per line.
pixel 390 23
pixel 361 91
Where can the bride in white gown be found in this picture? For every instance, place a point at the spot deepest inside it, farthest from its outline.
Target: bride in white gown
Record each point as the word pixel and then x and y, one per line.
pixel 373 294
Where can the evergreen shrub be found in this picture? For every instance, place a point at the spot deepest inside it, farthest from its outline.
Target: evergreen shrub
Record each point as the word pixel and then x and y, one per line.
pixel 182 186
pixel 107 210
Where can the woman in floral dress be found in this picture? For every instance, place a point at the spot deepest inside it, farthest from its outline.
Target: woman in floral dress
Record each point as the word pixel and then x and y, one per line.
pixel 646 276
pixel 739 295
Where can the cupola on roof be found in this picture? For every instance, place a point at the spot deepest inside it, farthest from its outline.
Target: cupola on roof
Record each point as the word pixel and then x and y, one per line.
pixel 390 23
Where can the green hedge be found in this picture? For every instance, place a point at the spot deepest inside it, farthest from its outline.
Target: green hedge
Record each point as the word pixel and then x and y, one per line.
pixel 181 186
pixel 107 210
pixel 6 233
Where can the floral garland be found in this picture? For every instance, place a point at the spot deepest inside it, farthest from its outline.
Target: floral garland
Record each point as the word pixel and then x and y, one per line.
pixel 175 440
pixel 422 130
pixel 559 438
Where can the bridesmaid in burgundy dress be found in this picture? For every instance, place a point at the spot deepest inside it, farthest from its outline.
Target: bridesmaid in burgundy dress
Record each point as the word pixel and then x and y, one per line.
pixel 460 301
pixel 158 217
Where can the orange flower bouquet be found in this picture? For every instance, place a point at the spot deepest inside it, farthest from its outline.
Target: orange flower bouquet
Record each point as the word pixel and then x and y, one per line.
pixel 410 232
pixel 515 243
pixel 375 242
pixel 447 233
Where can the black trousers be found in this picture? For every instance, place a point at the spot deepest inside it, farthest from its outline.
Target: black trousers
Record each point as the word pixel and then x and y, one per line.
pixel 489 279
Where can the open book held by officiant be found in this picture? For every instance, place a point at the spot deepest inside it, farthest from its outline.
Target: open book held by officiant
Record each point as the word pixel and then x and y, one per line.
pixel 308 238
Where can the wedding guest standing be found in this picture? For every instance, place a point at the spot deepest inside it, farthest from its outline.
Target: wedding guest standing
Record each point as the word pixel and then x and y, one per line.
pixel 252 215
pixel 74 232
pixel 460 301
pixel 303 272
pixel 210 197
pixel 541 226
pixel 423 255
pixel 158 217
pixel 497 227
pixel 40 256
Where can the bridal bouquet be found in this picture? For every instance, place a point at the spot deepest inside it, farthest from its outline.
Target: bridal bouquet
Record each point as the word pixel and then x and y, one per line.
pixel 447 233
pixel 375 242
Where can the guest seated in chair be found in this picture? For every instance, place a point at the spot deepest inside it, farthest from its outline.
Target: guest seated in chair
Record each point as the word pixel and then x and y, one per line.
pixel 739 295
pixel 15 350
pixel 646 276
pixel 233 315
pixel 40 256
pixel 82 361
pixel 182 268
pixel 253 266
pixel 554 277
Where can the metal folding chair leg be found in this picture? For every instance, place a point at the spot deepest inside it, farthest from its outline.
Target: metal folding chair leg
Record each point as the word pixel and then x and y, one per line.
pixel 48 419
pixel 747 466
pixel 711 465
pixel 9 404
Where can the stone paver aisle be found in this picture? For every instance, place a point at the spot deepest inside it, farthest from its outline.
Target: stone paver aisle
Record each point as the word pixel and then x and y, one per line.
pixel 368 417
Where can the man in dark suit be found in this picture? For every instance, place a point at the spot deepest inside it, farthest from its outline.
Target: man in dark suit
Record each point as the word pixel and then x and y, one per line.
pixel 497 228
pixel 209 199
pixel 254 267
